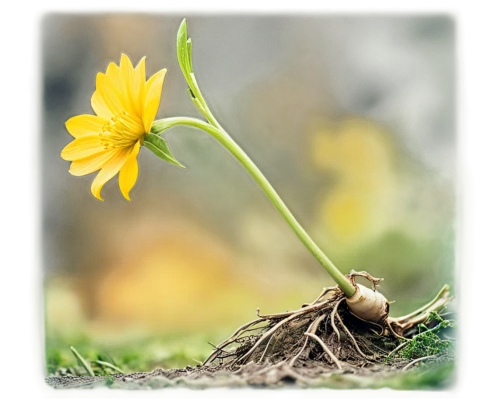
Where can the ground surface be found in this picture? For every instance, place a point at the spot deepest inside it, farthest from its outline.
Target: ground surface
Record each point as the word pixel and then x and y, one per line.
pixel 435 374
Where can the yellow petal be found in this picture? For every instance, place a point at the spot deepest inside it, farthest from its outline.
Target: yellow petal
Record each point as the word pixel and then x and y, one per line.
pixel 127 79
pixel 125 63
pixel 85 124
pixel 99 106
pixel 138 86
pixel 116 78
pixel 111 98
pixel 82 147
pixel 92 163
pixel 129 172
pixel 152 98
pixel 110 169
pixel 113 77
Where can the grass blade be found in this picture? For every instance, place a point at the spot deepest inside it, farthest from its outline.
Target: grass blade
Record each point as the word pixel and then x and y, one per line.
pixel 82 361
pixel 107 364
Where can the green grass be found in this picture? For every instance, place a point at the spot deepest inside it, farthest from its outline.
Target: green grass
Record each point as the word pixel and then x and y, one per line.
pixel 428 342
pixel 129 355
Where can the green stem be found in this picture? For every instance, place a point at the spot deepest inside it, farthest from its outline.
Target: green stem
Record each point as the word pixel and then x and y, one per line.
pixel 223 138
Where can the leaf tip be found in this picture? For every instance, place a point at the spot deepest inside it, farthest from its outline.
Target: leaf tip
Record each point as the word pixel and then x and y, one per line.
pixel 182 28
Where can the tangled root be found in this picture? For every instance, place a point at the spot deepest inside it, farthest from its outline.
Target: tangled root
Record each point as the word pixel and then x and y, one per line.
pixel 323 332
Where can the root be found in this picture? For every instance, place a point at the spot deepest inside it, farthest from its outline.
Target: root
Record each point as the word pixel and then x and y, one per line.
pixel 325 291
pixel 401 325
pixel 311 330
pixel 380 327
pixel 375 281
pixel 325 348
pixel 304 309
pixel 219 349
pixel 323 333
pixel 351 337
pixel 332 319
pixel 416 361
pixel 263 338
pixel 265 350
pixel 391 329
pixel 400 347
pixel 299 353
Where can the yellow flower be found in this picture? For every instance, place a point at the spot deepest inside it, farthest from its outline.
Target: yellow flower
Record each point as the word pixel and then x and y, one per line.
pixel 125 105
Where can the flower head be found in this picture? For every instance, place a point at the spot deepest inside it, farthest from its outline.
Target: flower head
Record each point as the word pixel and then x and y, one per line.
pixel 125 105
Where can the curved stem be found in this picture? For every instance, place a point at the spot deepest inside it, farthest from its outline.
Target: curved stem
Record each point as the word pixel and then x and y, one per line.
pixel 223 138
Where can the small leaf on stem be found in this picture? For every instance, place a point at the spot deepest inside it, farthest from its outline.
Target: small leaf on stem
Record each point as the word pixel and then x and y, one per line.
pixel 189 46
pixel 182 49
pixel 159 147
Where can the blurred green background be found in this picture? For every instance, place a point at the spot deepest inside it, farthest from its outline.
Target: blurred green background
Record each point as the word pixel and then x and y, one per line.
pixel 351 118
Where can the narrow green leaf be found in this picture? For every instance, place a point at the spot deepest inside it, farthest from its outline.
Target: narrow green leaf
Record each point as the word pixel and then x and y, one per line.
pixel 182 32
pixel 195 101
pixel 189 46
pixel 182 51
pixel 107 364
pixel 159 147
pixel 82 361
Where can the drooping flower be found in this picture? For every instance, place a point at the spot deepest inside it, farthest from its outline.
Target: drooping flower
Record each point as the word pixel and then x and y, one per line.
pixel 125 105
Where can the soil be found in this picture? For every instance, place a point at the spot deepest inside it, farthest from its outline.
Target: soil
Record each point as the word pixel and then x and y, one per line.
pixel 320 344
